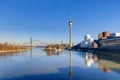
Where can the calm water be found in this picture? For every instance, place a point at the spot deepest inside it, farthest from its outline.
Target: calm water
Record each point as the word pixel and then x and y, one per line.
pixel 39 65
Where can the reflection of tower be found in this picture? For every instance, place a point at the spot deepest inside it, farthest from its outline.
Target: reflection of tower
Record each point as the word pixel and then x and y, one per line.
pixel 31 53
pixel 71 72
pixel 31 47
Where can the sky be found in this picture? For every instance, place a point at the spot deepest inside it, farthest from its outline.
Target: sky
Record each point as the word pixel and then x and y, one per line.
pixel 47 20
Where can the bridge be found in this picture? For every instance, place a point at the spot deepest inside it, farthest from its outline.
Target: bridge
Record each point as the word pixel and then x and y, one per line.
pixel 33 43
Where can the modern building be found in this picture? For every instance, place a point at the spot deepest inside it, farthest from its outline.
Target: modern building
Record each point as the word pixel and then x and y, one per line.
pixel 88 41
pixel 106 40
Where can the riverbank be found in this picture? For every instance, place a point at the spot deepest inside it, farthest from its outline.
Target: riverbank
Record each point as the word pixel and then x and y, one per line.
pixel 102 51
pixel 9 48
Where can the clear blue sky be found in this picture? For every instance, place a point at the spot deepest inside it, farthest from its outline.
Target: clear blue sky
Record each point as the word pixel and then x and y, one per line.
pixel 47 20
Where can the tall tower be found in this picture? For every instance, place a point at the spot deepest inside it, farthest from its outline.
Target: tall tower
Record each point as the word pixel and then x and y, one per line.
pixel 70 40
pixel 70 45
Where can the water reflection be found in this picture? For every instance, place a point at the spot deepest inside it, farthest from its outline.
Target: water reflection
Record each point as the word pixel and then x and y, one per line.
pixel 89 59
pixel 31 53
pixel 71 72
pixel 51 53
pixel 105 63
pixel 68 65
pixel 108 63
pixel 5 56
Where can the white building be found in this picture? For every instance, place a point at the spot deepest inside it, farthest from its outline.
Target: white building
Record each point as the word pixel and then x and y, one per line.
pixel 88 41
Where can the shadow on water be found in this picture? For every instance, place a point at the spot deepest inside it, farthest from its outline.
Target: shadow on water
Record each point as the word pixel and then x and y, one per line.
pixel 64 75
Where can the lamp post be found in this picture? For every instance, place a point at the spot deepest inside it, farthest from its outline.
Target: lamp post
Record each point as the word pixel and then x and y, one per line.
pixel 70 40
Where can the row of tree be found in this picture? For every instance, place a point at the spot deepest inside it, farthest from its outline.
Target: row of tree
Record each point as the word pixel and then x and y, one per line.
pixel 6 46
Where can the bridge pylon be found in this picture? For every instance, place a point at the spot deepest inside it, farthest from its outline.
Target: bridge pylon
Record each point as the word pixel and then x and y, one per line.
pixel 30 42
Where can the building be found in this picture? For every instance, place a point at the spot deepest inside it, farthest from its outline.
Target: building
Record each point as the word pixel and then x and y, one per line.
pixel 104 35
pixel 113 43
pixel 88 42
pixel 109 40
pixel 115 34
pixel 95 44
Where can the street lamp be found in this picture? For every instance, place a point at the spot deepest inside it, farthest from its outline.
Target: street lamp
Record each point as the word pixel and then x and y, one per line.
pixel 70 40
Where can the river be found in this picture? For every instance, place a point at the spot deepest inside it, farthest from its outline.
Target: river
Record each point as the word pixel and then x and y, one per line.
pixel 36 64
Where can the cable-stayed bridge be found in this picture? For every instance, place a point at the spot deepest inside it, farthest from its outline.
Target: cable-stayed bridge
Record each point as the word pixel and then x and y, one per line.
pixel 33 43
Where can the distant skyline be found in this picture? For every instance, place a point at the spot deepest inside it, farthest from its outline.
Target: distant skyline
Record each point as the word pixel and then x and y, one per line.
pixel 47 20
